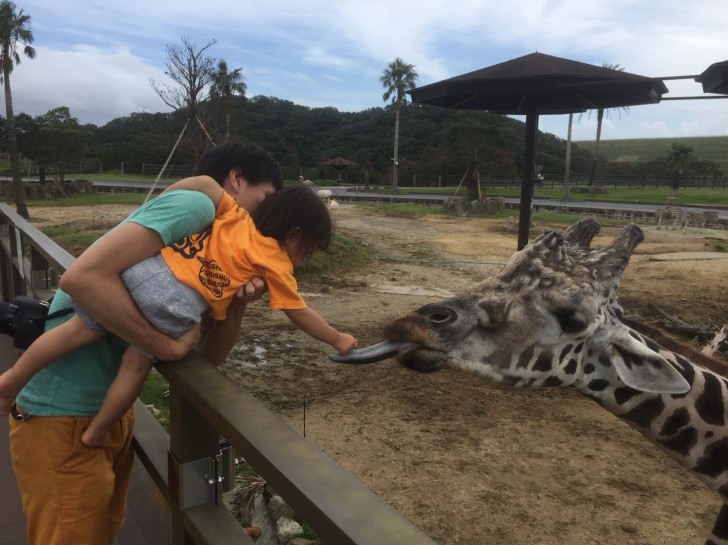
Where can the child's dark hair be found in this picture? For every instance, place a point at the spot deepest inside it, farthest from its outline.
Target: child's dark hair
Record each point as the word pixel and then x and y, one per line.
pixel 295 206
pixel 254 163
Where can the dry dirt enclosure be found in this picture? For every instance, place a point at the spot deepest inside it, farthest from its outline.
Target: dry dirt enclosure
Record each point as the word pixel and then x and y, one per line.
pixel 467 461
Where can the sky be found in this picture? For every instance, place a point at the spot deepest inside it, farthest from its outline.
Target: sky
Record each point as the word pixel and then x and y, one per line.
pixel 98 57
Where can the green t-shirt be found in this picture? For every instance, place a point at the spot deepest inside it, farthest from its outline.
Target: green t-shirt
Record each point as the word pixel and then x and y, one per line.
pixel 76 384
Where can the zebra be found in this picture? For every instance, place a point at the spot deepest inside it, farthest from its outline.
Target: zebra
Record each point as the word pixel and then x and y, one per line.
pixel 699 219
pixel 669 212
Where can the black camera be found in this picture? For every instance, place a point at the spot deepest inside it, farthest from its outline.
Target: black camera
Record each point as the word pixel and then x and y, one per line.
pixel 23 319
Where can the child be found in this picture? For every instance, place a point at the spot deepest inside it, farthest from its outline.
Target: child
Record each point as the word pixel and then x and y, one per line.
pixel 199 273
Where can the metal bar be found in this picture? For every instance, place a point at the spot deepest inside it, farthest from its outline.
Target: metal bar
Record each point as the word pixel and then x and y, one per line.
pixel 338 507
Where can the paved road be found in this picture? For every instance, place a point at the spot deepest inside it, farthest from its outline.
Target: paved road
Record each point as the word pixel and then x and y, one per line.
pixel 348 194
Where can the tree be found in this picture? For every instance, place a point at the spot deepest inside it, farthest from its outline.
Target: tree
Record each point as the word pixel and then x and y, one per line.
pixel 14 31
pixel 397 78
pixel 600 117
pixel 192 72
pixel 62 141
pixel 226 85
pixel 678 159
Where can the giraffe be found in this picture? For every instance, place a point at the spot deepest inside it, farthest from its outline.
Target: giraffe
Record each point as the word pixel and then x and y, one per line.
pixel 551 317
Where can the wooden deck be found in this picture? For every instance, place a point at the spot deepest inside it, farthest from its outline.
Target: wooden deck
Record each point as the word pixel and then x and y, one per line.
pixel 148 519
pixel 12 524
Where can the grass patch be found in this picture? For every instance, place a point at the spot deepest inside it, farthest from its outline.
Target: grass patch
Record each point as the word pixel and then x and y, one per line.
pixel 155 392
pixel 70 238
pixel 90 199
pixel 345 252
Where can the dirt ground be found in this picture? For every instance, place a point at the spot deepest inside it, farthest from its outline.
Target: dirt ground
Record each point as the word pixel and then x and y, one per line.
pixel 467 461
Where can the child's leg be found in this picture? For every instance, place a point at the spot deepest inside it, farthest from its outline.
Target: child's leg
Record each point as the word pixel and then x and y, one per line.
pixel 120 396
pixel 53 344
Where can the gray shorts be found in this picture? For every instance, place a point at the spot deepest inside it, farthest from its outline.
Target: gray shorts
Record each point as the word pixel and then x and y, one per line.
pixel 169 305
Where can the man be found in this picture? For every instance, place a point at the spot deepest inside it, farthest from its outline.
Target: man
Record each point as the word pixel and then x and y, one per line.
pixel 76 494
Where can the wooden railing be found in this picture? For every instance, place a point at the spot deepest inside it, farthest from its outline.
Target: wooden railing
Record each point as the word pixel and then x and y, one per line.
pixel 205 405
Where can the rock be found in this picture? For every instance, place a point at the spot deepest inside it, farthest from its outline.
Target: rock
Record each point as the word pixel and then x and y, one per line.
pixel 288 529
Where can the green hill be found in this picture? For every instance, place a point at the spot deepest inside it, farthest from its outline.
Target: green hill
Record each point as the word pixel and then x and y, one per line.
pixel 637 150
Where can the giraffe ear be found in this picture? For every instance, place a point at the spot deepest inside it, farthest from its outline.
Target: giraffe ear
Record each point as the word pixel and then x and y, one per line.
pixel 643 369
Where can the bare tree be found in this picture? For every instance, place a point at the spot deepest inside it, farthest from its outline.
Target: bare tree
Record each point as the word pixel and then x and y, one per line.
pixel 192 72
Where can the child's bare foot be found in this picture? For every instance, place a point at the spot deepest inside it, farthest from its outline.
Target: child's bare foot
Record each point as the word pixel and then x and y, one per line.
pixel 95 438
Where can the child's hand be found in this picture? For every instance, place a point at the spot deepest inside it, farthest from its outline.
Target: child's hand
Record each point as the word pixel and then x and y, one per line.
pixel 344 343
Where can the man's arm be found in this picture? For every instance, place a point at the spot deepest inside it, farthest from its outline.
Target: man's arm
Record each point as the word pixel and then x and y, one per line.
pixel 94 282
pixel 219 336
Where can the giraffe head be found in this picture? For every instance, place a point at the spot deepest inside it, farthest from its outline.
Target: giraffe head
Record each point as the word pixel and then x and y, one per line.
pixel 549 317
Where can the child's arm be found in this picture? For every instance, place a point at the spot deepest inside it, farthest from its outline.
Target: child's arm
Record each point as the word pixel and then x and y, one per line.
pixel 203 184
pixel 121 395
pixel 309 321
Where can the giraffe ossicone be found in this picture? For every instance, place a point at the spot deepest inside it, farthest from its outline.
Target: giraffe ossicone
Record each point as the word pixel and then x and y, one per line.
pixel 551 317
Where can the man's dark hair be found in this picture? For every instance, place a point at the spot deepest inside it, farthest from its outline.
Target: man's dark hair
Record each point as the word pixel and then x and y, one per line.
pixel 254 163
pixel 295 206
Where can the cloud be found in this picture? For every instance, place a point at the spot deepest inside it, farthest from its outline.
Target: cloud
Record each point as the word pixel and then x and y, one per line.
pixel 95 84
pixel 96 57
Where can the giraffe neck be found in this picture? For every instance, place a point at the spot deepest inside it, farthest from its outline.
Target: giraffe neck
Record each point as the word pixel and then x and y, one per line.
pixel 690 427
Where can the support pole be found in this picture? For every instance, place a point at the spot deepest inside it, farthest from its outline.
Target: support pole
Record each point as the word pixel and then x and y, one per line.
pixel 524 218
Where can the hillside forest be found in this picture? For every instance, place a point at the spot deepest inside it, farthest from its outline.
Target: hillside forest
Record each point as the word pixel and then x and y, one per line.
pixel 437 146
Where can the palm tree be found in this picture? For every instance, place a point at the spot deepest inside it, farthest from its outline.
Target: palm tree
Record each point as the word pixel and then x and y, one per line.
pixel 14 30
pixel 226 85
pixel 397 78
pixel 678 158
pixel 600 117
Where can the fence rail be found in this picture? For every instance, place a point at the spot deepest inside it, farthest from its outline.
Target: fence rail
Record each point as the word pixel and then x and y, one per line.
pixel 205 405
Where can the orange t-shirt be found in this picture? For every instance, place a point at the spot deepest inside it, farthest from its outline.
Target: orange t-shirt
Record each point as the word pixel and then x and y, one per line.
pixel 221 259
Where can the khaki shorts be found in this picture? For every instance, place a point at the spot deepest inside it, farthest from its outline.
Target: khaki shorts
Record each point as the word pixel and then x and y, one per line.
pixel 71 493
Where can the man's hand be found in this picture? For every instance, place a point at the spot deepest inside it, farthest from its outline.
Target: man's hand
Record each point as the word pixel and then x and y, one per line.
pixel 254 289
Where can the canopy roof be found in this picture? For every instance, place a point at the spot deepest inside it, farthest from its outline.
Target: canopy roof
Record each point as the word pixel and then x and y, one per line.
pixel 715 78
pixel 541 83
pixel 338 162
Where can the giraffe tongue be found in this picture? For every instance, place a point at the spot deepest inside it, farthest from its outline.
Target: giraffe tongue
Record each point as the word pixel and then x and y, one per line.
pixel 373 353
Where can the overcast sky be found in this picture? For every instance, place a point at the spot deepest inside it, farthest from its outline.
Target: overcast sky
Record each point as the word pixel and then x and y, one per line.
pixel 97 57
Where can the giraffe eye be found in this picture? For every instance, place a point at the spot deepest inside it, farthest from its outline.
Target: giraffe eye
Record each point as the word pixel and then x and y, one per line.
pixel 570 320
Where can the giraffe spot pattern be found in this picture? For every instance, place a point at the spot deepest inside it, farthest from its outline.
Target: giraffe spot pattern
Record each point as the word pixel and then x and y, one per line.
pixel 624 394
pixel 710 404
pixel 714 460
pixel 598 385
pixel 682 442
pixel 544 362
pixel 675 421
pixel 645 413
pixel 571 367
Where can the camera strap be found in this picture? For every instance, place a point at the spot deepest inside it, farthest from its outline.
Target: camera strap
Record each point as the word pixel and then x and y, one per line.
pixel 59 313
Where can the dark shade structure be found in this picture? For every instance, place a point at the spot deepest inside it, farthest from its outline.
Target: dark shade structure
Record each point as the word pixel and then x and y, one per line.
pixel 534 85
pixel 338 163
pixel 715 78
